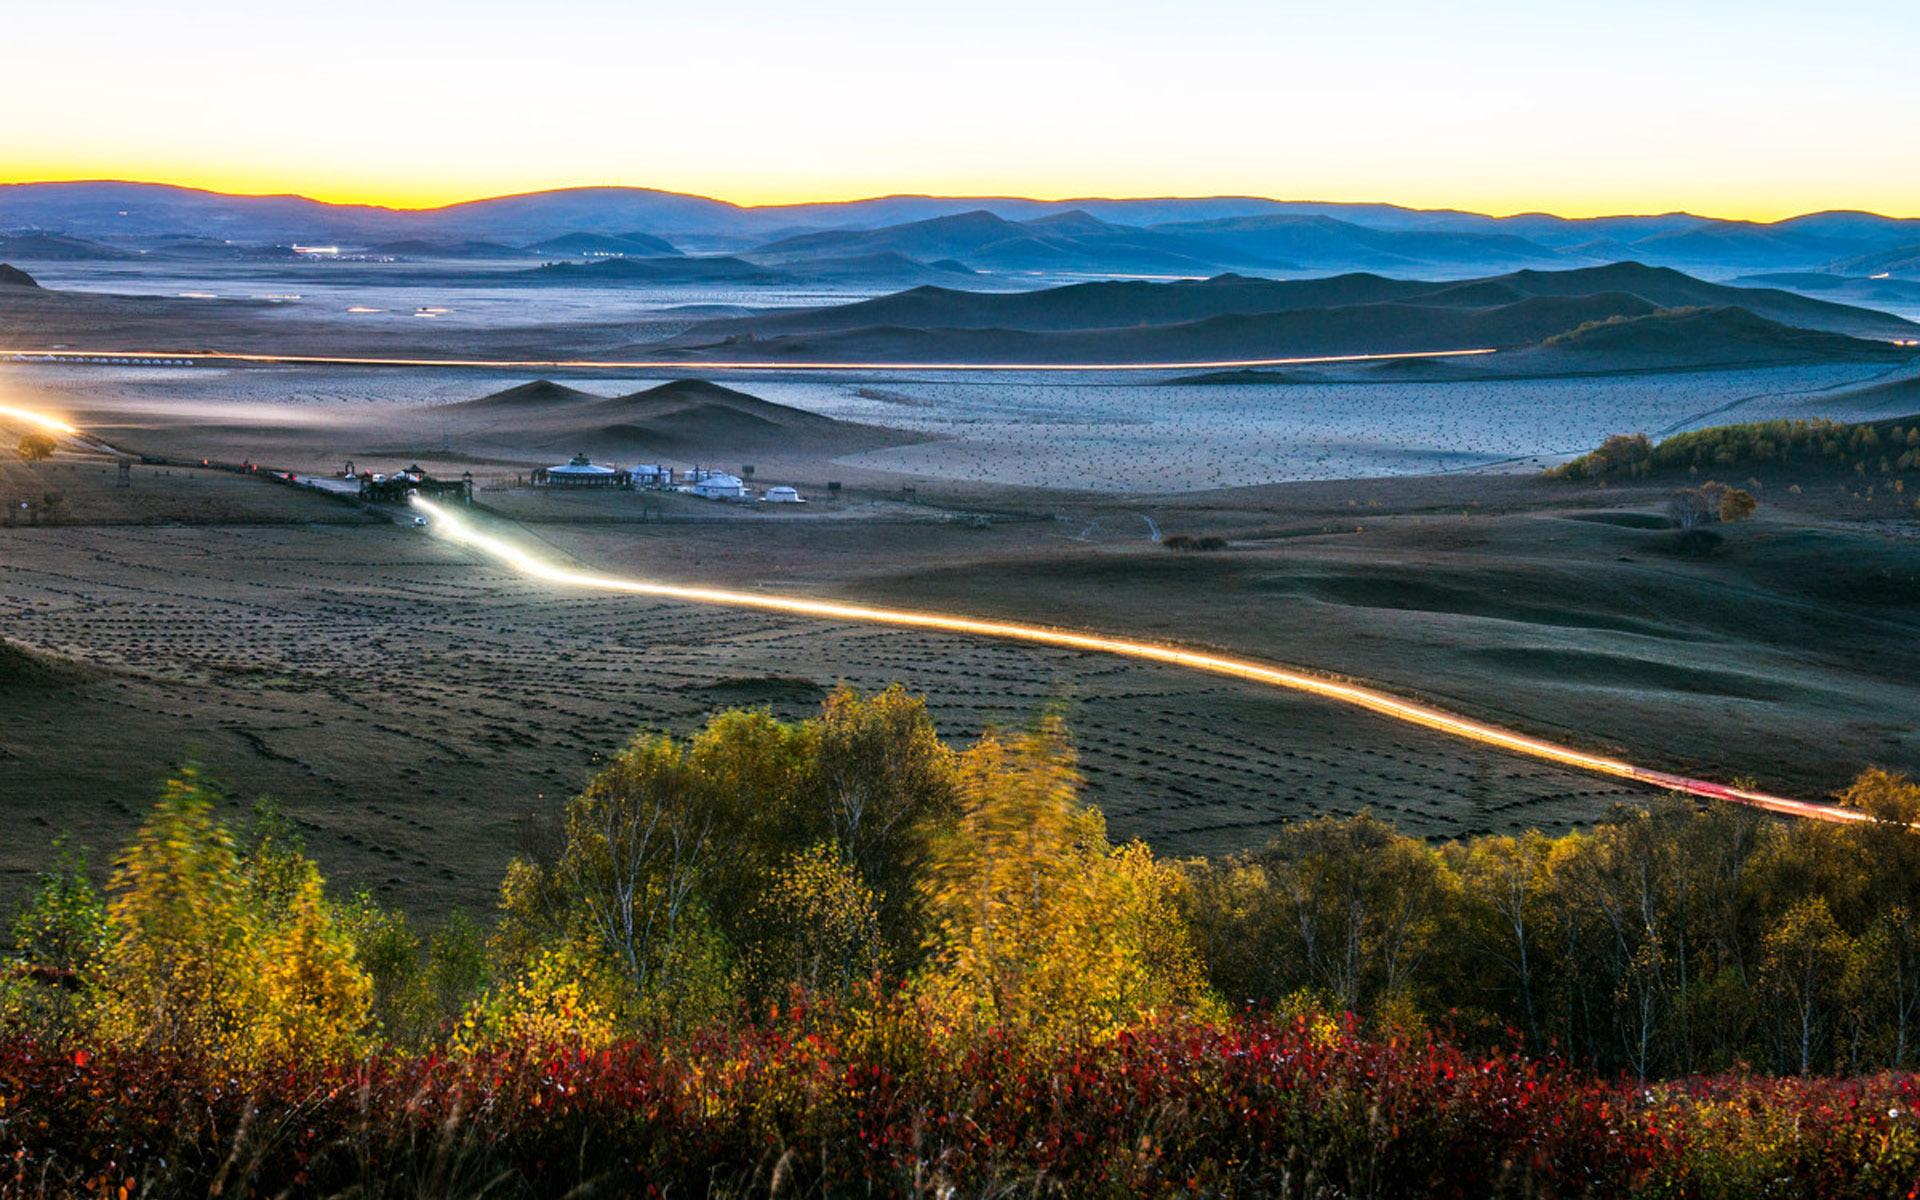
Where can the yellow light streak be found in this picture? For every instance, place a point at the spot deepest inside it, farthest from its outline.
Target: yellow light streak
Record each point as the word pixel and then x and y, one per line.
pixel 456 528
pixel 27 415
pixel 683 364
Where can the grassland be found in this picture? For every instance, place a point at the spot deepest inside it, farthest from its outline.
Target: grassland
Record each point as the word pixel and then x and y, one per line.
pixel 408 702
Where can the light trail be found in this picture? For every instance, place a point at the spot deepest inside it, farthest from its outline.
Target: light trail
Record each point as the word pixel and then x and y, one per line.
pixel 456 528
pixel 696 365
pixel 42 420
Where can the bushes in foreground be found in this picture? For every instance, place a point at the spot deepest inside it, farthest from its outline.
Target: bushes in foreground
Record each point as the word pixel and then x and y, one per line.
pixel 838 954
pixel 814 1104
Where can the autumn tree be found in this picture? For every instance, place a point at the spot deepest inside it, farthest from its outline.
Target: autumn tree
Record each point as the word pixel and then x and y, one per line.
pixel 1803 973
pixel 818 927
pixel 37 447
pixel 232 957
pixel 50 969
pixel 1343 909
pixel 1737 504
pixel 886 786
pixel 1041 926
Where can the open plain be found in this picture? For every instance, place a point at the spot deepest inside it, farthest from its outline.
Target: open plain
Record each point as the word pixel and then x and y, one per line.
pixel 409 702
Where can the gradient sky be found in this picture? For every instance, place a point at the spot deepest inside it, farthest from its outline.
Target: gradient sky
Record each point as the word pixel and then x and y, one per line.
pixel 1758 108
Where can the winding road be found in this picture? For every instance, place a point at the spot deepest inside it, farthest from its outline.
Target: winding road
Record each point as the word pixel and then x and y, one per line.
pixel 458 529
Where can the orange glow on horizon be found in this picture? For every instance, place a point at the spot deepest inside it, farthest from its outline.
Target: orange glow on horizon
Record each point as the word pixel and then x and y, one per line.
pixel 443 190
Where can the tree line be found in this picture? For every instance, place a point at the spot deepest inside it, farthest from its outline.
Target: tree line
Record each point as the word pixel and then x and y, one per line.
pixel 1868 448
pixel 857 859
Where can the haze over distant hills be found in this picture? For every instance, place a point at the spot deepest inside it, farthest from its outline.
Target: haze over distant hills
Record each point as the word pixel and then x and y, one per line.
pixel 1170 236
pixel 1628 315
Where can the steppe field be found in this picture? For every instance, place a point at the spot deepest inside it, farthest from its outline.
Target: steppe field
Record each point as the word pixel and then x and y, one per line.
pixel 409 701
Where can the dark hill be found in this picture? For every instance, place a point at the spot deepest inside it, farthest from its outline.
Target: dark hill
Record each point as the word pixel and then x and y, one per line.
pixel 54 247
pixel 1705 337
pixel 11 276
pixel 1104 305
pixel 1745 244
pixel 1248 378
pixel 1668 288
pixel 1194 320
pixel 682 420
pixel 1070 241
pixel 1345 330
pixel 538 395
pixel 22 668
pixel 1323 241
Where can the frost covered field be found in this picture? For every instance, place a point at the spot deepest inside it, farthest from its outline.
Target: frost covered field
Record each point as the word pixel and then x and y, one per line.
pixel 1111 432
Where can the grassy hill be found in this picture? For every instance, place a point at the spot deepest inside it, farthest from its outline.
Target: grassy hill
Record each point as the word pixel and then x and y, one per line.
pixel 1232 316
pixel 676 420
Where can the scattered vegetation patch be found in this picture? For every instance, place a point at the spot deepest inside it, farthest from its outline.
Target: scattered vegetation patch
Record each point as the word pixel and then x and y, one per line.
pixel 37 447
pixel 23 668
pixel 1190 542
pixel 761 689
pixel 1867 448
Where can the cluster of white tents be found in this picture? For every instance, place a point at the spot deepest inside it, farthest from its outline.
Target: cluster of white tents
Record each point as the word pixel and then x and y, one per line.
pixel 707 484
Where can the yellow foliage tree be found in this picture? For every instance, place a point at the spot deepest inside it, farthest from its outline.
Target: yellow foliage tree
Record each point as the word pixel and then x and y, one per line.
pixel 317 1000
pixel 818 927
pixel 197 962
pixel 558 999
pixel 1041 927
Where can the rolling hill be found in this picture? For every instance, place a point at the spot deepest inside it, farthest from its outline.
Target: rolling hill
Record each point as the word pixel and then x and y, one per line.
pixel 54 247
pixel 11 276
pixel 1901 261
pixel 1168 235
pixel 680 421
pixel 1233 318
pixel 1698 337
pixel 1898 397
pixel 1067 242
pixel 537 396
pixel 1313 242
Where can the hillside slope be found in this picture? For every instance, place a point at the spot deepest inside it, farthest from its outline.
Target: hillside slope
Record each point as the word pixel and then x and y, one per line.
pixel 1235 318
pixel 679 420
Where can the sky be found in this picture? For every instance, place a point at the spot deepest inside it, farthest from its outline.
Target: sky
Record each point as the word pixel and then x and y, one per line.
pixel 1758 109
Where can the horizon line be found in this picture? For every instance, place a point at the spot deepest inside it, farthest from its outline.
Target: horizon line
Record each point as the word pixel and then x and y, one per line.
pixel 910 195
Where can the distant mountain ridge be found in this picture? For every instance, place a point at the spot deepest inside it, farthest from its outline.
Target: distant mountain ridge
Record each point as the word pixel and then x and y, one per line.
pixel 1645 318
pixel 1108 236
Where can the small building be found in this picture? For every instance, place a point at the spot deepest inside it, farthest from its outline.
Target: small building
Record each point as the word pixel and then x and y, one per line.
pixel 395 488
pixel 783 495
pixel 718 485
pixel 652 475
pixel 580 471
